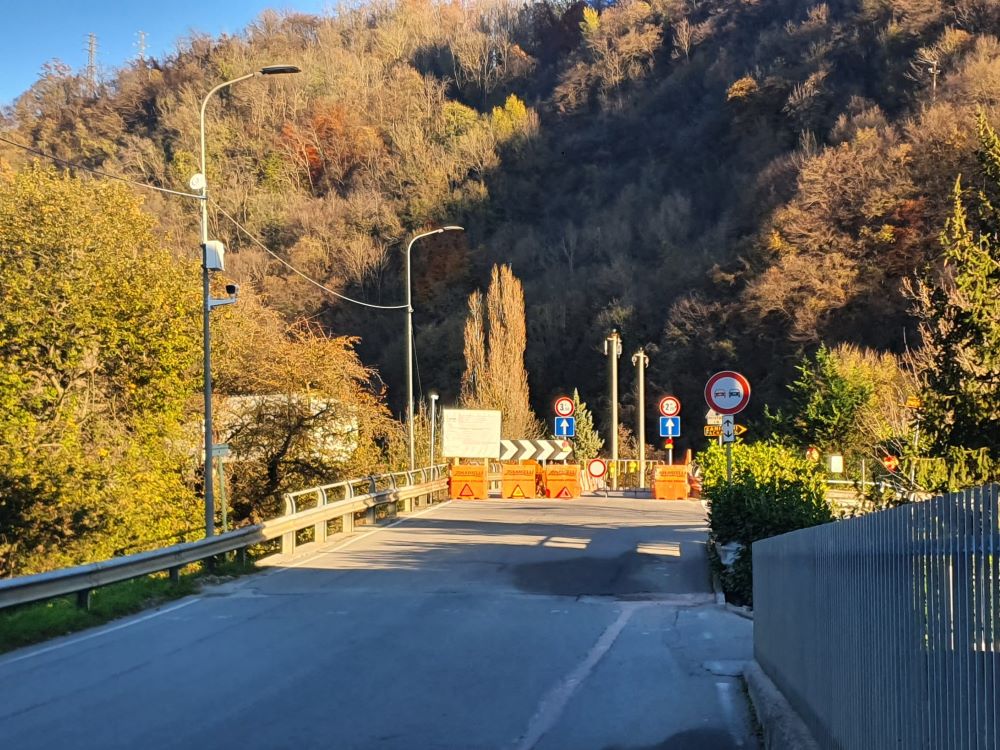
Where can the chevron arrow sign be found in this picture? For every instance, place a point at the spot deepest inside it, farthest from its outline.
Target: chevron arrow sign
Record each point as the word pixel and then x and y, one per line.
pixel 539 450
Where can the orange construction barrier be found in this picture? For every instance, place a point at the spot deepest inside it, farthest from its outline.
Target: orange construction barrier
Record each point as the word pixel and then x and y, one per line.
pixel 562 481
pixel 468 482
pixel 670 482
pixel 518 481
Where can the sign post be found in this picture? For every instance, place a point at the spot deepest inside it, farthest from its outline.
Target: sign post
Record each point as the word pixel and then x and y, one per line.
pixel 727 393
pixel 670 406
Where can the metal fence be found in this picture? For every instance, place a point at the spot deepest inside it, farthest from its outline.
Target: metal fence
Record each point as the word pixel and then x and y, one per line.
pixel 883 631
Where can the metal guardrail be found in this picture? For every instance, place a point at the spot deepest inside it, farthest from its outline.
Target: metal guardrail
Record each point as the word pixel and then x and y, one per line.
pixel 408 488
pixel 883 631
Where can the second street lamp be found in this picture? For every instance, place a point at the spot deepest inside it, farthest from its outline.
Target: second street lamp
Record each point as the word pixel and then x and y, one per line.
pixel 212 259
pixel 409 339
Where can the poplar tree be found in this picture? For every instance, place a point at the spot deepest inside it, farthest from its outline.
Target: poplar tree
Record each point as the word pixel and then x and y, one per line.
pixel 495 340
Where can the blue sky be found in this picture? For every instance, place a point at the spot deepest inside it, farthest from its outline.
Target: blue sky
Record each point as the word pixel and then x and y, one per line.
pixel 36 32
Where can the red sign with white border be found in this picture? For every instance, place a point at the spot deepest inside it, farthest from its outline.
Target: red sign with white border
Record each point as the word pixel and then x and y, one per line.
pixel 727 392
pixel 597 468
pixel 564 406
pixel 670 406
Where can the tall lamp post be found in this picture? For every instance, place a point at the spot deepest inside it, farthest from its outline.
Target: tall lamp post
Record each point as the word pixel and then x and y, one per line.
pixel 641 361
pixel 409 338
pixel 433 395
pixel 213 259
pixel 613 350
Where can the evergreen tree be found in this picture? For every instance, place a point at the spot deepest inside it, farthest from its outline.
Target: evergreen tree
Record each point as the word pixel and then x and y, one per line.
pixel 587 443
pixel 959 308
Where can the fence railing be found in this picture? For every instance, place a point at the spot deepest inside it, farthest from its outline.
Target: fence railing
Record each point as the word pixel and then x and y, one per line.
pixel 883 631
pixel 310 516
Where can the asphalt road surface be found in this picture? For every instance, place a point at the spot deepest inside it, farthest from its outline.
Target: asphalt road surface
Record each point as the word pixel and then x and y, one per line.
pixel 576 625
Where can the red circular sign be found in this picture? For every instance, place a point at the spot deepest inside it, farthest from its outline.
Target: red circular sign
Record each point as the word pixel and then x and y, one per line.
pixel 597 468
pixel 891 463
pixel 564 406
pixel 670 406
pixel 727 392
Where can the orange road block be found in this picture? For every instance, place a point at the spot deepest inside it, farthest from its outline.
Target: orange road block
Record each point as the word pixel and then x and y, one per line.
pixel 562 481
pixel 467 483
pixel 670 482
pixel 517 481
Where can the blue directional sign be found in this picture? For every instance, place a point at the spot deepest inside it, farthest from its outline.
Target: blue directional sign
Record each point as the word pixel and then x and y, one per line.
pixel 670 427
pixel 565 427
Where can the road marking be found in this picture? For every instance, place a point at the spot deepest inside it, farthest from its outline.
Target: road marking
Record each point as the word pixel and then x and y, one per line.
pixel 102 631
pixel 729 711
pixel 555 701
pixel 121 626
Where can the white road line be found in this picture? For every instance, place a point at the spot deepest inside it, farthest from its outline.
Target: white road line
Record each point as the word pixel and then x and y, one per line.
pixel 166 610
pixel 103 631
pixel 729 711
pixel 555 701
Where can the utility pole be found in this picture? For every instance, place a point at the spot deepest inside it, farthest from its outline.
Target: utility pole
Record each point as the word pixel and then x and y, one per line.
pixel 140 45
pixel 641 362
pixel 614 351
pixel 433 395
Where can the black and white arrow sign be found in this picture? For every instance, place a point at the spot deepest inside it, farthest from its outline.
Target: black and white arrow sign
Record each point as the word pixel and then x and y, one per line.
pixel 540 450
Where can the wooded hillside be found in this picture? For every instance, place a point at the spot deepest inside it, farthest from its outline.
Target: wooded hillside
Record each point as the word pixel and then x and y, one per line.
pixel 727 182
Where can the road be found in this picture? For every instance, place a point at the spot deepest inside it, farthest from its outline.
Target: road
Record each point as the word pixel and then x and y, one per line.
pixel 517 625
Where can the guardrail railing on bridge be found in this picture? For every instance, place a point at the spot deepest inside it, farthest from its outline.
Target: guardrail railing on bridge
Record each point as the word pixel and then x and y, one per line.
pixel 883 631
pixel 314 509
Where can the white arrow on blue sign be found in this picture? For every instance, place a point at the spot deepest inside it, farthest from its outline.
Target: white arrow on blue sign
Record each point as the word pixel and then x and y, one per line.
pixel 670 427
pixel 565 427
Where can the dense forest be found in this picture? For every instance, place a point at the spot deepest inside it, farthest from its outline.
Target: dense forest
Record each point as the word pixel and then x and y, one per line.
pixel 756 184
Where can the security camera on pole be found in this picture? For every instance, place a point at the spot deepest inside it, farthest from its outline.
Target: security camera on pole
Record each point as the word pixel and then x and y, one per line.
pixel 213 255
pixel 613 350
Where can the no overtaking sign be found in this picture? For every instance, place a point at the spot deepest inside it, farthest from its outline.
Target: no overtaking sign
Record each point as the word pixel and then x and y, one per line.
pixel 727 392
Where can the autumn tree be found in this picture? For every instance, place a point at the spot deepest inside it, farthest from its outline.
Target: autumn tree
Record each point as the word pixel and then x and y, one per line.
pixel 495 340
pixel 99 345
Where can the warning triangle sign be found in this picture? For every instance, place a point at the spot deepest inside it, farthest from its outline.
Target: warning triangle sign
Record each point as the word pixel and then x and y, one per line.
pixel 518 492
pixel 466 491
pixel 564 492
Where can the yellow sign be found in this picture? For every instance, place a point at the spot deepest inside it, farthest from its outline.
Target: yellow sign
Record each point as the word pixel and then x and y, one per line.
pixel 518 481
pixel 468 483
pixel 713 430
pixel 739 429
pixel 562 481
pixel 913 402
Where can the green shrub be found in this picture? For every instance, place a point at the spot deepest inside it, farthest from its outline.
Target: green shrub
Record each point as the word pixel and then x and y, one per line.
pixel 773 491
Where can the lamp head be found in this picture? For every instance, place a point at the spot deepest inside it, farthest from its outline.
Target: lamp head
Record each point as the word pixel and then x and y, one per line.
pixel 277 70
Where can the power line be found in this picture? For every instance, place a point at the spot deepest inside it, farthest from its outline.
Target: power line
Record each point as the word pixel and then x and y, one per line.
pixel 292 268
pixel 239 226
pixel 98 172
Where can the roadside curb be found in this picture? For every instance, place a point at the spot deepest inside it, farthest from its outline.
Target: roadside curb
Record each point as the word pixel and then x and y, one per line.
pixel 783 728
pixel 745 612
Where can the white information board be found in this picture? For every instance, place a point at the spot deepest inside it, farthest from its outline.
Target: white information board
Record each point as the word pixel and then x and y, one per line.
pixel 470 433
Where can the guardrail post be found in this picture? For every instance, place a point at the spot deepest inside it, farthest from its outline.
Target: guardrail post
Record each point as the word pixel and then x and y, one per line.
pixel 407 504
pixel 370 515
pixel 347 523
pixel 319 532
pixel 288 543
pixel 83 599
pixel 241 554
pixel 175 575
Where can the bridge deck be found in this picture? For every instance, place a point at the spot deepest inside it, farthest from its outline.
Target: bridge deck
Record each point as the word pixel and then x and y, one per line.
pixel 523 624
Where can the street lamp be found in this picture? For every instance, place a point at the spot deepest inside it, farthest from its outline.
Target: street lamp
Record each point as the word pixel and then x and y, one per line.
pixel 213 259
pixel 409 338
pixel 433 396
pixel 613 350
